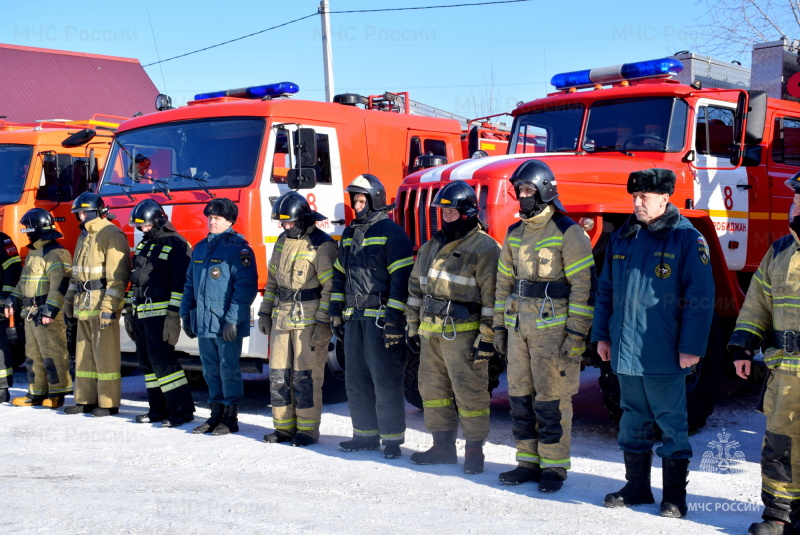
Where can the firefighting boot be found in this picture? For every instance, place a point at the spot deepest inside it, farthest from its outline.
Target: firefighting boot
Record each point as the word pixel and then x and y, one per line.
pixel 443 450
pixel 302 440
pixel 229 423
pixel 675 472
pixel 217 410
pixel 177 421
pixel 79 409
pixel 771 527
pixel 473 457
pixel 100 412
pixel 53 402
pixel 149 418
pixel 552 479
pixel 392 451
pixel 4 396
pixel 276 437
pixel 28 401
pixel 526 471
pixel 637 489
pixel 358 443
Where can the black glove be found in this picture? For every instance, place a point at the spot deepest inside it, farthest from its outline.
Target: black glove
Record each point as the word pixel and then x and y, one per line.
pixel 740 353
pixel 187 328
pixel 501 341
pixel 229 332
pixel 337 326
pixel 392 335
pixel 265 324
pixel 483 351
pixel 412 337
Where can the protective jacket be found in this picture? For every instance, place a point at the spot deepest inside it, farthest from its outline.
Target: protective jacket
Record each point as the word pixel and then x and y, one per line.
pixel 372 269
pixel 460 273
pixel 547 248
pixel 221 284
pixel 45 278
pixel 101 269
pixel 300 281
pixel 656 295
pixel 772 306
pixel 160 263
pixel 10 266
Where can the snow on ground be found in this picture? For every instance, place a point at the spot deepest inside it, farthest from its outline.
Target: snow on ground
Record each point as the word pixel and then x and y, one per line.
pixel 78 474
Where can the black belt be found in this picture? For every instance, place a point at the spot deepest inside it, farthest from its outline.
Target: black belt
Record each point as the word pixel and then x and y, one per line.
pixel 365 301
pixel 39 300
pixel 786 340
pixel 556 290
pixel 454 309
pixel 86 286
pixel 309 294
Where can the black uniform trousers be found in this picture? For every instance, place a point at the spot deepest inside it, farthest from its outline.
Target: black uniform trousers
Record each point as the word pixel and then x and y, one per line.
pixel 6 358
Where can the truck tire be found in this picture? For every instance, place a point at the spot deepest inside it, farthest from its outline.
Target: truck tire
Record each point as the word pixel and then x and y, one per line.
pixel 701 384
pixel 333 387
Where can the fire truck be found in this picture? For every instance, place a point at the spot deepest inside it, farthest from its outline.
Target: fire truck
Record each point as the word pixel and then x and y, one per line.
pixel 252 145
pixel 731 136
pixel 47 164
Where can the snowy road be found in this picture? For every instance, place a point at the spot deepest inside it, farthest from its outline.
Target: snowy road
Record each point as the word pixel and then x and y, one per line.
pixel 78 474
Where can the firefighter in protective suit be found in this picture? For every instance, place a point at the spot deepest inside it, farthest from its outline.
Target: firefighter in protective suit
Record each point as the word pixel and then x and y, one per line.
pixel 371 284
pixel 10 269
pixel 152 318
pixel 294 314
pixel 771 315
pixel 449 316
pixel 546 287
pixel 40 293
pixel 101 268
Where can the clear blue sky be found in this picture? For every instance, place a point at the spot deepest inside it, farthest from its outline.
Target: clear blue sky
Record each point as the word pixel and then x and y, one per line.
pixel 446 58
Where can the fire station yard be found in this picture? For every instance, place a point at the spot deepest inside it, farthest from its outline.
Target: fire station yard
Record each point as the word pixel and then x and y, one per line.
pixel 110 475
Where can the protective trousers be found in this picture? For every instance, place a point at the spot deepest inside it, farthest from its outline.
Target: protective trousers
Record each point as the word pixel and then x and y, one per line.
pixel 296 373
pixel 47 359
pixel 6 359
pixel 168 391
pixel 541 384
pixel 98 380
pixel 374 382
pixel 649 400
pixel 221 369
pixel 448 377
pixel 780 456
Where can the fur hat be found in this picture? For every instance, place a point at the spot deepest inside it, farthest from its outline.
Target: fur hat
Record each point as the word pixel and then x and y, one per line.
pixel 222 207
pixel 653 180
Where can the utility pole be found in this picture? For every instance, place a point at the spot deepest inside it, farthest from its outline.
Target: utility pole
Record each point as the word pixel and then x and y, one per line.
pixel 327 56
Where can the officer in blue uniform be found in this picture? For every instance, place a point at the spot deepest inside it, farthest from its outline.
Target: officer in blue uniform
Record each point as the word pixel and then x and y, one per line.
pixel 652 318
pixel 221 284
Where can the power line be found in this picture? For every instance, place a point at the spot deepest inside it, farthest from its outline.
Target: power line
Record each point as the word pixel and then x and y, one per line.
pixel 233 40
pixel 335 12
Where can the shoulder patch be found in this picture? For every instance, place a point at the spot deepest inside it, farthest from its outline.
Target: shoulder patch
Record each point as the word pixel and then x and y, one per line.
pixel 246 257
pixel 11 249
pixel 782 244
pixel 562 222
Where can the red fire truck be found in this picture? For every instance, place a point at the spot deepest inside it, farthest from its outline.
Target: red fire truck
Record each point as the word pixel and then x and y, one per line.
pixel 730 145
pixel 252 145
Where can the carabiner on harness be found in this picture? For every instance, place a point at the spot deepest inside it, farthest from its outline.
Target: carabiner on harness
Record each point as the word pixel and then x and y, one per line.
pixel 295 303
pixel 547 301
pixel 34 310
pixel 87 296
pixel 378 323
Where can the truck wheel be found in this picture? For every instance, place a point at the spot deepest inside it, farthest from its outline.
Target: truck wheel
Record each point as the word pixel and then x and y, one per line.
pixel 333 388
pixel 701 385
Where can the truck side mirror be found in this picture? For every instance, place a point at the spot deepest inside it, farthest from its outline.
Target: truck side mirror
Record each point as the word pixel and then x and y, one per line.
pixel 303 178
pixel 306 147
pixel 79 138
pixel 750 122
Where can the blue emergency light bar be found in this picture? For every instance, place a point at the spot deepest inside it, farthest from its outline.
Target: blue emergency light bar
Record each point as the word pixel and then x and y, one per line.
pixel 257 91
pixel 616 73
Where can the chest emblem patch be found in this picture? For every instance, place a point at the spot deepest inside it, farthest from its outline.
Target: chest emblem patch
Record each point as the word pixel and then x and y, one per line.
pixel 663 270
pixel 215 273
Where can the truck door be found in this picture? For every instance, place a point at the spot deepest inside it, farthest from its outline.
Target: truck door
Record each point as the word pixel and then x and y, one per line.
pixel 724 194
pixel 785 164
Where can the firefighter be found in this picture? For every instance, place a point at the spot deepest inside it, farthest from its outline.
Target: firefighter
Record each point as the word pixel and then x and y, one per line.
pixel 101 268
pixel 449 316
pixel 10 269
pixel 654 309
pixel 221 284
pixel 40 293
pixel 152 318
pixel 546 289
pixel 770 315
pixel 294 314
pixel 370 287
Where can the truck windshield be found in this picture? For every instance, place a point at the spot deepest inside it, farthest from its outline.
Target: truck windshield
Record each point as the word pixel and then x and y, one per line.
pixel 651 124
pixel 553 129
pixel 191 155
pixel 15 161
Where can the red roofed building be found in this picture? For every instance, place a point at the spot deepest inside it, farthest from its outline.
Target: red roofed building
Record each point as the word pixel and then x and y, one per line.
pixel 39 83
